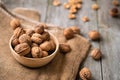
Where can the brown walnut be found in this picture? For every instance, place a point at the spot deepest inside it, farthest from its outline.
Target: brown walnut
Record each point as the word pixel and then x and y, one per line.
pixel 18 32
pixel 15 23
pixel 94 35
pixel 68 33
pixel 45 46
pixel 96 54
pixel 64 48
pixel 36 52
pixel 36 38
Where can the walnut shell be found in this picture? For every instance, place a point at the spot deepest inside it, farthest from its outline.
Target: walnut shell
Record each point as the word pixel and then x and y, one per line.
pixel 15 42
pixel 45 46
pixel 85 74
pixel 36 52
pixel 24 38
pixel 64 48
pixel 68 33
pixel 18 32
pixel 96 54
pixel 39 29
pixel 94 35
pixel 44 53
pixel 36 38
pixel 53 45
pixel 114 12
pixel 22 49
pixel 29 32
pixel 45 36
pixel 75 29
pixel 15 23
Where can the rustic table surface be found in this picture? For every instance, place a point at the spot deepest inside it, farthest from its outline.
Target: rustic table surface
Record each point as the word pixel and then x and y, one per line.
pixel 108 68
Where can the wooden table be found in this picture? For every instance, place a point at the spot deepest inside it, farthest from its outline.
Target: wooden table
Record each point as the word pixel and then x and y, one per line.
pixel 108 68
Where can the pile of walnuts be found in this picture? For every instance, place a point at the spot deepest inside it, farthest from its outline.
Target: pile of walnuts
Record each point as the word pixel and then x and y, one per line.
pixel 35 43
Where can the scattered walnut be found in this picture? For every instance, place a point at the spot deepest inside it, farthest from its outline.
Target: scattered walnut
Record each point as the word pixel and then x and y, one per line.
pixel 114 12
pixel 45 36
pixel 115 3
pixel 95 7
pixel 68 33
pixel 36 52
pixel 94 35
pixel 96 54
pixel 18 32
pixel 39 29
pixel 85 74
pixel 36 38
pixel 78 6
pixel 29 32
pixel 64 48
pixel 24 38
pixel 75 29
pixel 45 46
pixel 15 42
pixel 85 19
pixel 66 5
pixel 22 49
pixel 56 3
pixel 44 53
pixel 71 16
pixel 73 10
pixel 15 23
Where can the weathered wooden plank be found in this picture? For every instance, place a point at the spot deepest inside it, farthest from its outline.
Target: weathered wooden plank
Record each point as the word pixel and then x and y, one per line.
pixel 59 16
pixel 40 5
pixel 110 31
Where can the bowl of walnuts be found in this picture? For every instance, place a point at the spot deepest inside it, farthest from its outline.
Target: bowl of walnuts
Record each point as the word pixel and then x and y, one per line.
pixel 32 47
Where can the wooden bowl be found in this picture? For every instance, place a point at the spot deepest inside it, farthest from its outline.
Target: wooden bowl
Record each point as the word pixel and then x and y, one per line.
pixel 34 62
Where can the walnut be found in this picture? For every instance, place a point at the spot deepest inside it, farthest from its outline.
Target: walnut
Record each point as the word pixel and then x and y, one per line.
pixel 18 32
pixel 115 3
pixel 24 38
pixel 14 23
pixel 45 46
pixel 56 2
pixel 36 38
pixel 94 35
pixel 75 29
pixel 45 36
pixel 36 52
pixel 96 54
pixel 85 19
pixel 85 74
pixel 71 16
pixel 22 49
pixel 68 33
pixel 64 48
pixel 73 10
pixel 39 29
pixel 53 46
pixel 95 7
pixel 44 53
pixel 29 32
pixel 15 42
pixel 114 12
pixel 34 45
pixel 66 5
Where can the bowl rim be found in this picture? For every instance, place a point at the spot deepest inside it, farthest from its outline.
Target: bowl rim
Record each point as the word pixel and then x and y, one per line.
pixel 56 42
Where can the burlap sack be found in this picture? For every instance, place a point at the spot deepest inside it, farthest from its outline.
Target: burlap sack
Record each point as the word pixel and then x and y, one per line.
pixel 62 67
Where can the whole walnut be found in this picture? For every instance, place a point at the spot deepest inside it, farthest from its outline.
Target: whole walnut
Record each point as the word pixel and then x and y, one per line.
pixel 22 49
pixel 44 53
pixel 45 36
pixel 68 33
pixel 75 29
pixel 39 29
pixel 24 38
pixel 36 52
pixel 96 54
pixel 114 12
pixel 45 46
pixel 53 45
pixel 15 42
pixel 36 38
pixel 29 32
pixel 94 35
pixel 34 45
pixel 85 74
pixel 18 32
pixel 14 23
pixel 64 48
